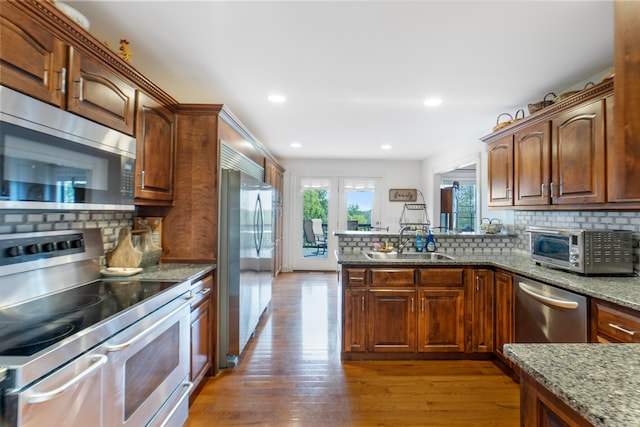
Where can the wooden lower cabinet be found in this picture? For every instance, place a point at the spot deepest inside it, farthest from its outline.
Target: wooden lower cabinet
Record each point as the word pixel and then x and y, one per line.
pixel 391 320
pixel 404 310
pixel 202 332
pixel 354 320
pixel 441 320
pixel 480 300
pixel 611 323
pixel 540 408
pixel 504 314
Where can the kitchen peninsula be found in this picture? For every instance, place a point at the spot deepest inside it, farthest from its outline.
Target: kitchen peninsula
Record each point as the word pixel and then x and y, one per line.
pixel 588 384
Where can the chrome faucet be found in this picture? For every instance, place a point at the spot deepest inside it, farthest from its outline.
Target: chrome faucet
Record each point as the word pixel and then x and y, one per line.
pixel 401 245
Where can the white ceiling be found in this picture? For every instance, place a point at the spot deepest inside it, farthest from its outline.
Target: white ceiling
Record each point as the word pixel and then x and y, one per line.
pixel 355 74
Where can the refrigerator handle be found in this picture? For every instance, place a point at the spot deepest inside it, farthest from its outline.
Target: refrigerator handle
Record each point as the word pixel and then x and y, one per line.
pixel 258 225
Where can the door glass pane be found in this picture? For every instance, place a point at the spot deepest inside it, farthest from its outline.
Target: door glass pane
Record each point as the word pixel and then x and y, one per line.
pixel 466 200
pixel 359 204
pixel 315 211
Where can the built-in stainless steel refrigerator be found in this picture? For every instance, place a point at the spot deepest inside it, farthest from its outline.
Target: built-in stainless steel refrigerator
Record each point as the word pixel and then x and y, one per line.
pixel 245 260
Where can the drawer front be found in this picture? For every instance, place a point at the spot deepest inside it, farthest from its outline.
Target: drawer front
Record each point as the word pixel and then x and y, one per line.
pixel 617 324
pixel 441 277
pixel 201 289
pixel 393 277
pixel 355 276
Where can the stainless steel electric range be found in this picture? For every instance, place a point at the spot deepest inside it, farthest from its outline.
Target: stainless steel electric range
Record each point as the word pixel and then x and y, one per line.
pixel 78 349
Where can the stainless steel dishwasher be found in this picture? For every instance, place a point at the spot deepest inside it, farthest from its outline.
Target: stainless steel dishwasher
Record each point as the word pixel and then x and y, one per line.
pixel 546 314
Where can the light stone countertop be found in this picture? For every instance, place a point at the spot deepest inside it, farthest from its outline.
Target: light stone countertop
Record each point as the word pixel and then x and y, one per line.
pixel 624 291
pixel 173 271
pixel 599 381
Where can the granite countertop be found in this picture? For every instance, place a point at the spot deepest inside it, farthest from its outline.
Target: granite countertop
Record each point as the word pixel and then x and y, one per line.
pixel 624 291
pixel 600 381
pixel 174 271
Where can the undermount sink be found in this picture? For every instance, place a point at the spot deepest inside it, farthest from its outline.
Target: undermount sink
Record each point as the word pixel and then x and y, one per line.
pixel 422 256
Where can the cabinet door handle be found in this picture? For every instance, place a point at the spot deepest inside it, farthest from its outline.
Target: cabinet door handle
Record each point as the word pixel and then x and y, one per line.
pixel 63 80
pixel 362 304
pixel 80 83
pixel 413 300
pixel 422 304
pixel 621 329
pixel 552 189
pixel 142 180
pixel 478 283
pixel 542 190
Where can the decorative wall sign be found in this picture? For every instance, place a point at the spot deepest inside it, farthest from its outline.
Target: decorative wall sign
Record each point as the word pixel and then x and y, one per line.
pixel 403 195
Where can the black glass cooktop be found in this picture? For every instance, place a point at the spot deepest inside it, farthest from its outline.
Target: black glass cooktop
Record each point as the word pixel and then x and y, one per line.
pixel 28 328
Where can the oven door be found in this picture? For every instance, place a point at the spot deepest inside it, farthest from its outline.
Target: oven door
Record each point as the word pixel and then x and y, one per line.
pixel 71 396
pixel 148 362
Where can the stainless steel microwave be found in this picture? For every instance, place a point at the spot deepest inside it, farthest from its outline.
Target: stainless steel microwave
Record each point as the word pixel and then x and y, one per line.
pixel 589 252
pixel 53 159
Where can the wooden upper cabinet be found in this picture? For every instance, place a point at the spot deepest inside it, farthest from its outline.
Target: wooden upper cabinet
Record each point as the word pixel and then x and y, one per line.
pixel 578 155
pixel 33 60
pixel 500 166
pixel 532 172
pixel 100 94
pixel 155 152
pixel 623 151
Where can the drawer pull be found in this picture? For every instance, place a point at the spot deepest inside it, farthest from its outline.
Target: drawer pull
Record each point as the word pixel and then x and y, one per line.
pixel 621 329
pixel 356 279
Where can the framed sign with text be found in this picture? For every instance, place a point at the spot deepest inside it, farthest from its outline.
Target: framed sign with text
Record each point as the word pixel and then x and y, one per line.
pixel 403 195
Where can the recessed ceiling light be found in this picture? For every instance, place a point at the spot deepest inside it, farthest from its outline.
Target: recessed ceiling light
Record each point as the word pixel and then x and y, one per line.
pixel 432 102
pixel 296 145
pixel 386 147
pixel 277 99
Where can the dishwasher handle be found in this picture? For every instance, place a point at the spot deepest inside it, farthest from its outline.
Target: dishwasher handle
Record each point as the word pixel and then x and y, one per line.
pixel 554 302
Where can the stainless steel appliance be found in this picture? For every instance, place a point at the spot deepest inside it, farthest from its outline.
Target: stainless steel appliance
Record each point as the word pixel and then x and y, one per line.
pixel 53 159
pixel 595 252
pixel 546 314
pixel 77 350
pixel 246 260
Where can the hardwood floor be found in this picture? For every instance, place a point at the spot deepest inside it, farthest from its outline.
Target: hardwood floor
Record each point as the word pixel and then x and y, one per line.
pixel 292 375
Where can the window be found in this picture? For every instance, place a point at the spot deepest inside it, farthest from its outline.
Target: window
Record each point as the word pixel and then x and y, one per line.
pixel 360 203
pixel 458 201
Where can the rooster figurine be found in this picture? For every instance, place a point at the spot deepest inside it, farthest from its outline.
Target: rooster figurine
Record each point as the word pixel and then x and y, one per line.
pixel 125 52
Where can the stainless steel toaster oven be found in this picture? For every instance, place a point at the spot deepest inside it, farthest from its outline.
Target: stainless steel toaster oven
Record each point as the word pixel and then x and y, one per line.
pixel 584 251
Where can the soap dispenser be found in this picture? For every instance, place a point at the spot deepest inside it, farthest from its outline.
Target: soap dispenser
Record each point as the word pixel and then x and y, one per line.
pixel 431 242
pixel 419 242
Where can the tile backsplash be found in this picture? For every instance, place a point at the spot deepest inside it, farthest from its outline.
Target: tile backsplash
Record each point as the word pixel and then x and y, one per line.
pixel 517 240
pixel 109 222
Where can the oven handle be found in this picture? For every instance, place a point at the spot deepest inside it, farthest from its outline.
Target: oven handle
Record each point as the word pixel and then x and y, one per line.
pixel 123 346
pixel 554 302
pixel 189 386
pixel 97 362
